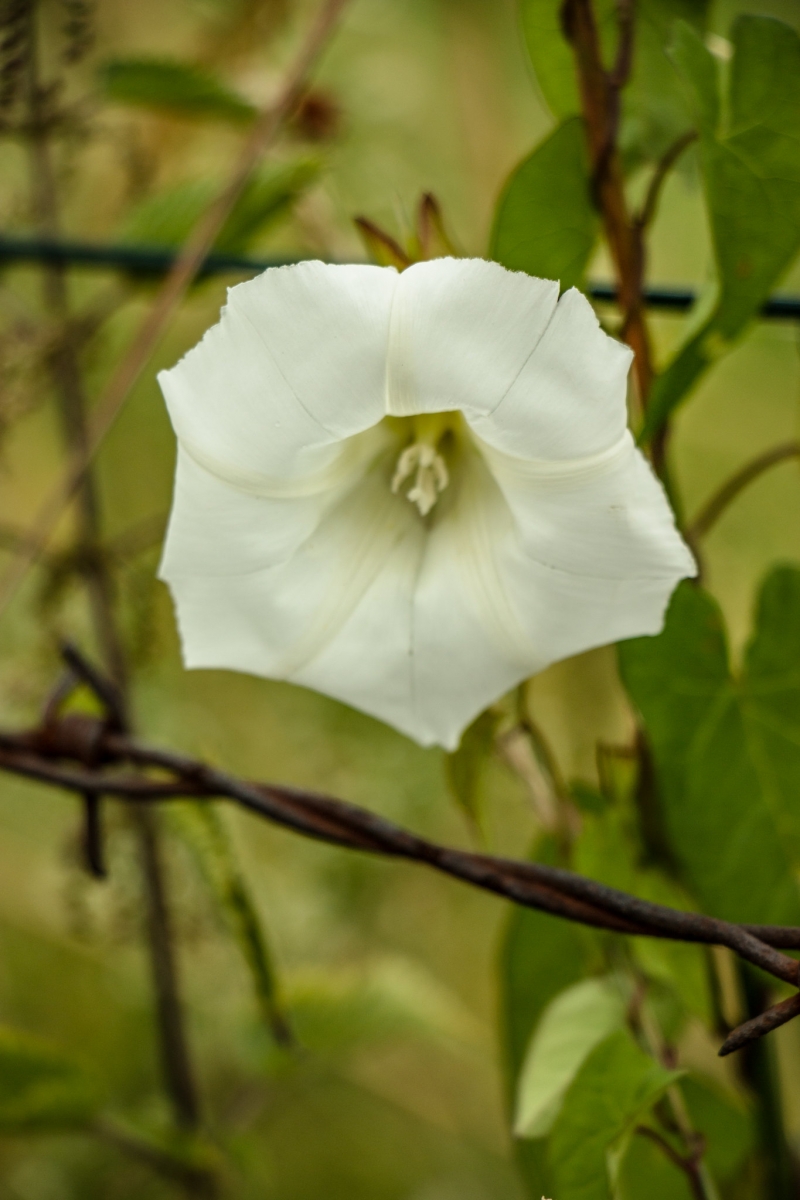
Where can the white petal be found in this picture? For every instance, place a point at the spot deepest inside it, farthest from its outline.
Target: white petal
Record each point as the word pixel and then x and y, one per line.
pixel 461 331
pixel 273 621
pixel 601 518
pixel 289 556
pixel 432 641
pixel 596 554
pixel 568 400
pixel 372 609
pixel 296 362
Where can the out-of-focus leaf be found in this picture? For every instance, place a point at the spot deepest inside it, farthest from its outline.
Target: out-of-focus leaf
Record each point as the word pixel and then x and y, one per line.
pixel 570 1028
pixel 465 765
pixel 167 218
pixel 609 849
pixel 646 1173
pixel 545 223
pixel 540 957
pixel 725 1123
pixel 339 1010
pixel 431 237
pixel 751 177
pixel 382 248
pixel 616 1086
pixel 203 830
pixel 654 108
pixel 173 86
pixel 727 750
pixel 551 56
pixel 41 1090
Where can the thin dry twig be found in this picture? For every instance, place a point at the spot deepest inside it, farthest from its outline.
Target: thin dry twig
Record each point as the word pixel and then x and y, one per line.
pixel 600 102
pixel 172 291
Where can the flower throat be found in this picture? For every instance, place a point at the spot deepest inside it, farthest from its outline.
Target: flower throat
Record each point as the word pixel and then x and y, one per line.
pixel 424 461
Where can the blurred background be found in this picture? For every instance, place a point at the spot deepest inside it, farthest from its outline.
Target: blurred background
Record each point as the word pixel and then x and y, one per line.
pixel 387 972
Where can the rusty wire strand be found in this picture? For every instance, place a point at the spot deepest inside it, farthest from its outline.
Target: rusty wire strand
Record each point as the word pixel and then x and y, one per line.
pixel 88 755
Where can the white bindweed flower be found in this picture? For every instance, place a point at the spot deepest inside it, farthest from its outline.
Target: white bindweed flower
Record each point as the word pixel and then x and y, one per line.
pixel 410 491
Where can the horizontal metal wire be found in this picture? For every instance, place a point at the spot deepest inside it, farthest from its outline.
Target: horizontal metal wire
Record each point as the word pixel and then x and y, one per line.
pixel 157 260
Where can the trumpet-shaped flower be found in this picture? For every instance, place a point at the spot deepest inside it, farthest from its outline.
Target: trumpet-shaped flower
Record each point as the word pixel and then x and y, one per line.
pixel 410 491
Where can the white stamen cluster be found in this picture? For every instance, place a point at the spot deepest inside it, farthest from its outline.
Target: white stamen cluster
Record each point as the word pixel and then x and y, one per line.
pixel 431 478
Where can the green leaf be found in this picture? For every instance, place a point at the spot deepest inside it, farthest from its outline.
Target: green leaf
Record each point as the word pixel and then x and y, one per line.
pixel 751 178
pixel 337 1011
pixel 571 1026
pixel 616 1086
pixel 41 1090
pixel 610 850
pixel 203 830
pixel 167 218
pixel 550 56
pixel 540 956
pixel 654 107
pixel 465 765
pixel 727 750
pixel 646 1173
pixel 173 86
pixel 725 1123
pixel 545 222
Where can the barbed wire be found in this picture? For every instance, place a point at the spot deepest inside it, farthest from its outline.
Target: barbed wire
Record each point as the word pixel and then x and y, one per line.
pixel 95 757
pixel 143 260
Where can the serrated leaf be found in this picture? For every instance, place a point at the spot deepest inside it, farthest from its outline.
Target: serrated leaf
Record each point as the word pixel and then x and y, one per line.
pixel 617 1085
pixel 726 749
pixel 751 179
pixel 203 830
pixel 173 86
pixel 167 218
pixel 571 1026
pixel 545 223
pixel 654 108
pixel 41 1089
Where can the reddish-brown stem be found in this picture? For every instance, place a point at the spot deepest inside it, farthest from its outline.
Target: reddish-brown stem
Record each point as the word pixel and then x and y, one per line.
pixel 600 100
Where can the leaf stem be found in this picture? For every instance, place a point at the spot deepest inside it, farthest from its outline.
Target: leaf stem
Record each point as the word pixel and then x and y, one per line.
pixel 687 1164
pixel 713 509
pixel 702 1184
pixel 648 210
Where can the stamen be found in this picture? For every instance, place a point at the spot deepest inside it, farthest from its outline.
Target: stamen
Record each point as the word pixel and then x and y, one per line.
pixel 431 475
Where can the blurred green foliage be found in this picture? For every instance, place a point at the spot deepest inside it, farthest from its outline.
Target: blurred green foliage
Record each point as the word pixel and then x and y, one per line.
pixel 174 87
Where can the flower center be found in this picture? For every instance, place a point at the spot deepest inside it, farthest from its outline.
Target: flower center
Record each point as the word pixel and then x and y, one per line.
pixel 423 461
